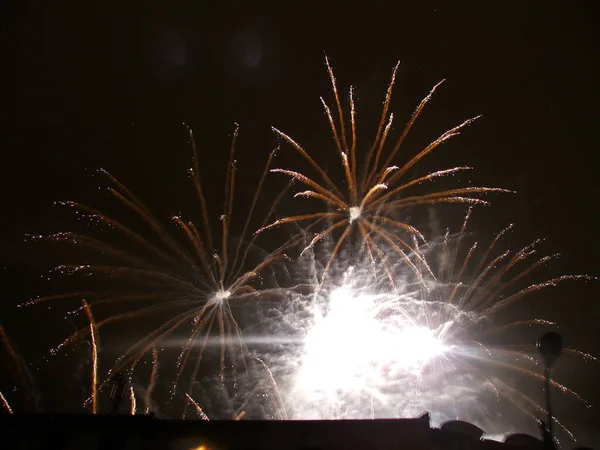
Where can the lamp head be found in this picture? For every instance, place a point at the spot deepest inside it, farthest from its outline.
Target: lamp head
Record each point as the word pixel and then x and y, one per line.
pixel 550 345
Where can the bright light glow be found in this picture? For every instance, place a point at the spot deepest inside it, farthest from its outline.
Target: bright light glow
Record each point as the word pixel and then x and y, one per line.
pixel 222 295
pixel 358 344
pixel 371 351
pixel 219 297
pixel 354 213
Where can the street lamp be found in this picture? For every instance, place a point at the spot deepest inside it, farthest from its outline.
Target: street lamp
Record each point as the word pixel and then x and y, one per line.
pixel 549 345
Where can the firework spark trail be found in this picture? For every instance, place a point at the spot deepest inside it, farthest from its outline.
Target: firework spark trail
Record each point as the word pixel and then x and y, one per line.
pixel 19 365
pixel 517 394
pixel 94 355
pixel 515 367
pixel 199 410
pixel 558 386
pixel 152 383
pixel 371 194
pixel 519 323
pixel 5 403
pixel 583 355
pixel 485 295
pixel 203 416
pixel 281 405
pixel 132 401
pixel 196 366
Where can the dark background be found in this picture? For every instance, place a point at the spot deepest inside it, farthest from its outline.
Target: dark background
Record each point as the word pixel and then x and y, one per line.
pixel 111 84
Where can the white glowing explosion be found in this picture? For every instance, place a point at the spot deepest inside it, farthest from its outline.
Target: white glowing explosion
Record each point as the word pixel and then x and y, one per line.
pixel 354 347
pixel 369 354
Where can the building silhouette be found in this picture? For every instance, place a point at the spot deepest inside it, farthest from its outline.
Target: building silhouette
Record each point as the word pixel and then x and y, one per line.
pixel 123 432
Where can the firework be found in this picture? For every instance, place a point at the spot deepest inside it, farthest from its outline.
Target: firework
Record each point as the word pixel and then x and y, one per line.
pixel 197 282
pixel 373 193
pixel 396 326
pixel 430 344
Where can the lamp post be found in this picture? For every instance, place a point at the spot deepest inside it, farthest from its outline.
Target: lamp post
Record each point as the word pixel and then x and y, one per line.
pixel 549 345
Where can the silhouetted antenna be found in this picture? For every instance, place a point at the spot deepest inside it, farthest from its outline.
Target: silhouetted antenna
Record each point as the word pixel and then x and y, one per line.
pixel 549 345
pixel 118 391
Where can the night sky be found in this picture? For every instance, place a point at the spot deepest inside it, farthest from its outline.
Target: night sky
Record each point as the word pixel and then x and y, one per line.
pixel 111 86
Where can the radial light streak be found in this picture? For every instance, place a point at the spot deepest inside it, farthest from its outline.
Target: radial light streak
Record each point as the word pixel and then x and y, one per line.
pixel 372 194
